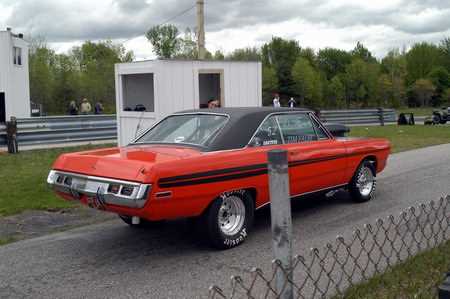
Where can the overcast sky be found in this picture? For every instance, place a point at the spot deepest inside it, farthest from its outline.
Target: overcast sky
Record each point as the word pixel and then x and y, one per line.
pixel 380 25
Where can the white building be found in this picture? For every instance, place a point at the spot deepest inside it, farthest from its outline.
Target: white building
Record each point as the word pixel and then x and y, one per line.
pixel 14 77
pixel 167 86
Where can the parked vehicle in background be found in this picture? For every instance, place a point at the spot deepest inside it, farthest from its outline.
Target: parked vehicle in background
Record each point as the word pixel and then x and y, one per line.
pixel 441 116
pixel 212 164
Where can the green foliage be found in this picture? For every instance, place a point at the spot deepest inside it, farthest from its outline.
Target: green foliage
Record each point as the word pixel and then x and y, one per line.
pixel 421 59
pixel 361 83
pixel 421 92
pixel 245 54
pixel 218 55
pixel 440 78
pixel 187 46
pixel 333 61
pixel 281 54
pixel 86 71
pixel 165 40
pixel 336 93
pixel 362 53
pixel 307 83
pixel 269 84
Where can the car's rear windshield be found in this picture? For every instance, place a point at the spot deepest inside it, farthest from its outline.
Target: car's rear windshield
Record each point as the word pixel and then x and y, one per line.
pixel 194 129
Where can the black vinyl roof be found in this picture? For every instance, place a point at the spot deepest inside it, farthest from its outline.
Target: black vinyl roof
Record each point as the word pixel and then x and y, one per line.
pixel 241 125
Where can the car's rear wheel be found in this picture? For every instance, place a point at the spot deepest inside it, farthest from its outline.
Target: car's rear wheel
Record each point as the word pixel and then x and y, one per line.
pixel 363 183
pixel 229 219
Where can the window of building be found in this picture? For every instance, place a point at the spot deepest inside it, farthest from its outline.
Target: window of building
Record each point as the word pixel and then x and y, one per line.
pixel 17 56
pixel 138 92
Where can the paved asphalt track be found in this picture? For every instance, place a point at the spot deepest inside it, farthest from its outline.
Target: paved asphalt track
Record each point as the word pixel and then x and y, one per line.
pixel 111 260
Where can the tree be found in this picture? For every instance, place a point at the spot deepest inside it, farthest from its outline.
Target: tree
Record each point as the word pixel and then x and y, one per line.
pixel 441 80
pixel 333 61
pixel 361 83
pixel 445 49
pixel 421 92
pixel 245 54
pixel 165 40
pixel 218 55
pixel 41 72
pixel 187 46
pixel 307 85
pixel 363 53
pixel 421 59
pixel 282 54
pixel 96 65
pixel 269 83
pixel 336 93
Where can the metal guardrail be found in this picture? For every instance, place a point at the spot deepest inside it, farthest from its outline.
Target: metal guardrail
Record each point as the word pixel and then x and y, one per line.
pixel 359 116
pixel 61 129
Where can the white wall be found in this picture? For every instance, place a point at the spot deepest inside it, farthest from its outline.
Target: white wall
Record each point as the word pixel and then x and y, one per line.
pixel 176 88
pixel 14 79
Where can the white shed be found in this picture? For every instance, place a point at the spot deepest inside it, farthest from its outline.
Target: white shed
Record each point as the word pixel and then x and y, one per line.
pixel 14 77
pixel 167 86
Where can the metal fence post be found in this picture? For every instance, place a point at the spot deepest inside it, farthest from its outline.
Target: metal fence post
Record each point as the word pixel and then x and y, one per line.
pixel 11 136
pixel 280 210
pixel 381 116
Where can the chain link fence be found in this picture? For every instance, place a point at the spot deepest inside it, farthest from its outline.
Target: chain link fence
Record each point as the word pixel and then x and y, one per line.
pixel 371 250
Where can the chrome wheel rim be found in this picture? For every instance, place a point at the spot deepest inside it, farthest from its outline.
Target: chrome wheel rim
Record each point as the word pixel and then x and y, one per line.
pixel 231 215
pixel 365 181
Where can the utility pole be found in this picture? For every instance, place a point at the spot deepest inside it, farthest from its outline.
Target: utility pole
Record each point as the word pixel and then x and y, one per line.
pixel 201 29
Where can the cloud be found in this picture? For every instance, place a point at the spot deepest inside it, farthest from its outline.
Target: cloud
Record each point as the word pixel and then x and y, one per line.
pixel 379 24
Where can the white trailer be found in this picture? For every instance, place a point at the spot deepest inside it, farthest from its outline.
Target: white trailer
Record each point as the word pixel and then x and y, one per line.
pixel 163 87
pixel 14 77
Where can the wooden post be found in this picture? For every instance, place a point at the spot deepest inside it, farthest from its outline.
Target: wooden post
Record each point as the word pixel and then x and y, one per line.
pixel 201 29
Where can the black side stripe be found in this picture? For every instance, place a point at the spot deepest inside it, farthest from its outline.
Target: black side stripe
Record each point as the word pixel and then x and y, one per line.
pixel 213 173
pixel 227 174
pixel 215 179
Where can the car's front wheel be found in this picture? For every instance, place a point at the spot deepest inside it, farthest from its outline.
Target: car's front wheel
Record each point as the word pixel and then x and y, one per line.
pixel 363 183
pixel 229 219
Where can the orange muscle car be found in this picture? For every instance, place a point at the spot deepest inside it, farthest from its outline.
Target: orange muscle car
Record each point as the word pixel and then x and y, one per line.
pixel 212 164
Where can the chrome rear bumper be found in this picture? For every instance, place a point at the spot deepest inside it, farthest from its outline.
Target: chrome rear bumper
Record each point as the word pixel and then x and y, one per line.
pixel 101 190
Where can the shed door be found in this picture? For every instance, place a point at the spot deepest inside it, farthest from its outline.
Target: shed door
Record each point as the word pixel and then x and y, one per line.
pixel 210 87
pixel 2 108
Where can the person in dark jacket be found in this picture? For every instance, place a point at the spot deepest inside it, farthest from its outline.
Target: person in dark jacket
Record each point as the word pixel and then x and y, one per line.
pixel 73 109
pixel 98 108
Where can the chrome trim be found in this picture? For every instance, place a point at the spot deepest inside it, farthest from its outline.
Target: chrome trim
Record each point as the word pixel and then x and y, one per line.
pixel 97 188
pixel 306 193
pixel 319 122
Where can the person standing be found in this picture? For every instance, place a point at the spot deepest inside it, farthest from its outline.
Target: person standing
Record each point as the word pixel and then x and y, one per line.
pixel 292 103
pixel 73 109
pixel 98 108
pixel 276 101
pixel 85 106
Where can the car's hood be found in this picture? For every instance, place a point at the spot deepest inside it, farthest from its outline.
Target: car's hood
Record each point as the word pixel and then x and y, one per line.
pixel 132 163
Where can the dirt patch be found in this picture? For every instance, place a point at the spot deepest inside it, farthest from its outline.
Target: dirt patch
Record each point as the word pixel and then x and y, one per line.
pixel 31 224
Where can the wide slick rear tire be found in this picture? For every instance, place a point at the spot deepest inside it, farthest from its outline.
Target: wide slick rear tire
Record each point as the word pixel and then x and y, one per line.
pixel 363 183
pixel 228 219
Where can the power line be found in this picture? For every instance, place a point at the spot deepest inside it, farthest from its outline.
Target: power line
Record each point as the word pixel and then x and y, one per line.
pixel 166 21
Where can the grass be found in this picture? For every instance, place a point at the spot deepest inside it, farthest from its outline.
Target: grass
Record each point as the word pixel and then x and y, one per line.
pixel 4 241
pixel 422 111
pixel 23 179
pixel 417 277
pixel 406 137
